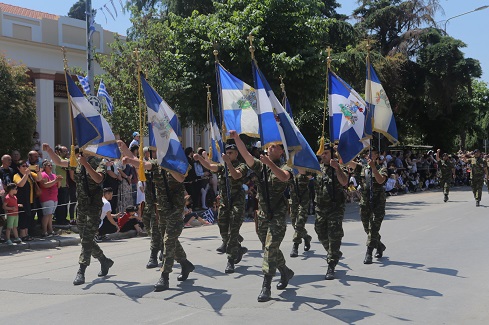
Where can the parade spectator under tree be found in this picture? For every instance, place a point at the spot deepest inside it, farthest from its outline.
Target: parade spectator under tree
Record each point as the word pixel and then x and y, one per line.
pixel 49 197
pixel 135 140
pixel 61 211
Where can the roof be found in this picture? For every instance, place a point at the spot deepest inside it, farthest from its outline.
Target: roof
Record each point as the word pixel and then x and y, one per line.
pixel 26 12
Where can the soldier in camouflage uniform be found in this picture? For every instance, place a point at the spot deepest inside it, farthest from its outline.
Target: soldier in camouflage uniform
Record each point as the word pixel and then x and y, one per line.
pixel 330 209
pixel 89 175
pixel 372 203
pixel 170 194
pixel 299 209
pixel 478 170
pixel 231 209
pixel 274 178
pixel 447 170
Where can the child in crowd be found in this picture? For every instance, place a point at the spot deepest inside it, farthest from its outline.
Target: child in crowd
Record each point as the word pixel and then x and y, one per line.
pixel 130 220
pixel 189 216
pixel 352 193
pixel 11 207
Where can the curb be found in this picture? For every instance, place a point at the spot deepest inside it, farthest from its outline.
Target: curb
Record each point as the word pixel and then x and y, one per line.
pixel 41 244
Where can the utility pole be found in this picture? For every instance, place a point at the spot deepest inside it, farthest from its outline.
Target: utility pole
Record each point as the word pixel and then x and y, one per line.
pixel 89 14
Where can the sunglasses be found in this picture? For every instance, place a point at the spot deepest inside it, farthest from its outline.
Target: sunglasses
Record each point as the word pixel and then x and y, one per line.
pixel 23 166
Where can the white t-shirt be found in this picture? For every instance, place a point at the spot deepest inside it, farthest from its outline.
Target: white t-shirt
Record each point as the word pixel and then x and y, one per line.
pixel 140 194
pixel 106 208
pixel 353 179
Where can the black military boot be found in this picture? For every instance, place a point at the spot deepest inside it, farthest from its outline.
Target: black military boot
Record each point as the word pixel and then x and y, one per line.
pixel 242 250
pixel 445 199
pixel 295 250
pixel 266 290
pixel 222 249
pixel 187 267
pixel 230 266
pixel 368 256
pixel 163 283
pixel 80 275
pixel 307 243
pixel 285 275
pixel 380 250
pixel 153 260
pixel 105 265
pixel 330 271
pixel 160 256
pixel 477 203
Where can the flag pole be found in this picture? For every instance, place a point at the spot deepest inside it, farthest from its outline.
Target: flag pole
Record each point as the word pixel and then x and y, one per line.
pixel 368 90
pixel 209 154
pixel 322 140
pixel 73 162
pixel 141 175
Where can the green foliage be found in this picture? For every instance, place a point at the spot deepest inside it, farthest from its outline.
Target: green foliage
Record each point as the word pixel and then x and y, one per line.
pixel 17 108
pixel 77 11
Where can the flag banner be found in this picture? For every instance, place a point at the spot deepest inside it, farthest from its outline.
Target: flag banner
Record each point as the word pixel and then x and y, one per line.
pixel 92 131
pixel 380 112
pixel 217 146
pixel 91 27
pixel 347 118
pixel 305 158
pixel 169 151
pixel 85 84
pixel 276 126
pixel 238 104
pixel 102 92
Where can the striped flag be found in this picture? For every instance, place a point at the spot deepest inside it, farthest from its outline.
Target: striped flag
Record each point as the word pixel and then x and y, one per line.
pixel 85 84
pixel 102 92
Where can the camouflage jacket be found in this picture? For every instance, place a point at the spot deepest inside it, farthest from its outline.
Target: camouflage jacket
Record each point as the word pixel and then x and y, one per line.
pixel 235 185
pixel 477 166
pixel 328 189
pixel 446 168
pixel 87 190
pixel 367 179
pixel 174 196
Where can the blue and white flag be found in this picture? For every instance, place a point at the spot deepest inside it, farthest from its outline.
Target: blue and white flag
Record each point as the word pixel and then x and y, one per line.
pixel 92 131
pixel 305 158
pixel 85 84
pixel 91 26
pixel 102 92
pixel 276 126
pixel 347 118
pixel 238 104
pixel 380 111
pixel 169 151
pixel 217 146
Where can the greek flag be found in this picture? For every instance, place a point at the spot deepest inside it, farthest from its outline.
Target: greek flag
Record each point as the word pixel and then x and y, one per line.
pixel 380 116
pixel 217 146
pixel 347 118
pixel 238 104
pixel 102 92
pixel 85 84
pixel 169 151
pixel 92 131
pixel 276 126
pixel 91 28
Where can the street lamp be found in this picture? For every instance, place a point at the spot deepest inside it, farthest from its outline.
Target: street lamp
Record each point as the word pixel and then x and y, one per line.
pixel 468 12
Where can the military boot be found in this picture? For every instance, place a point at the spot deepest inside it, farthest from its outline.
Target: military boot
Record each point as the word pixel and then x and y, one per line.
pixel 242 250
pixel 163 283
pixel 380 250
pixel 230 266
pixel 105 265
pixel 477 203
pixel 330 271
pixel 187 267
pixel 266 290
pixel 153 260
pixel 285 275
pixel 222 249
pixel 240 239
pixel 368 256
pixel 160 256
pixel 80 275
pixel 295 250
pixel 307 243
pixel 445 198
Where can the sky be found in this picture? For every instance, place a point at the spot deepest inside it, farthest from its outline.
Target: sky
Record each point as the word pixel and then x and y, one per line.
pixel 472 28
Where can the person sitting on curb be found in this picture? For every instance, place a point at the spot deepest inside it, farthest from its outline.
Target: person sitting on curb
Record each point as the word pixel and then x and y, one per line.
pixel 130 220
pixel 108 221
pixel 189 215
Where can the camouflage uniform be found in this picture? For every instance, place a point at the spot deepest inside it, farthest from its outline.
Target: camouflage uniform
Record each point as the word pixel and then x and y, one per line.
pixel 170 210
pixel 446 168
pixel 271 224
pixel 372 209
pixel 230 218
pixel 299 195
pixel 89 208
pixel 478 166
pixel 149 213
pixel 330 211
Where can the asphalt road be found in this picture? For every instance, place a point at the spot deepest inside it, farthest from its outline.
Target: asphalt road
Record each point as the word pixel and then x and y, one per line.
pixel 434 271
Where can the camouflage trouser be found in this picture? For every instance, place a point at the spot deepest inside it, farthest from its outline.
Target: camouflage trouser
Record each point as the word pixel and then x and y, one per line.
pixel 151 225
pixel 229 221
pixel 298 216
pixel 477 188
pixel 87 221
pixel 170 223
pixel 445 183
pixel 329 228
pixel 271 232
pixel 372 216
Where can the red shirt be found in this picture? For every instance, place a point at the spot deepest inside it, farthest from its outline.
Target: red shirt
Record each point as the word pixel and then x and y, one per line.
pixel 11 202
pixel 123 220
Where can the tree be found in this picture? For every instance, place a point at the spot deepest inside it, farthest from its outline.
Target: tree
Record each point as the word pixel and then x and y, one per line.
pixel 17 107
pixel 78 10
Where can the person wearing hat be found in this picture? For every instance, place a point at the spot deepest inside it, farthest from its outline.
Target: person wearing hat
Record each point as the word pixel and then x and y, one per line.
pixel 232 207
pixel 135 140
pixel 271 221
pixel 372 204
pixel 330 208
pixel 478 170
pixel 447 170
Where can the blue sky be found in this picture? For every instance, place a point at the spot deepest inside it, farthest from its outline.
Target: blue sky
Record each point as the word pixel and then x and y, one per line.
pixel 472 29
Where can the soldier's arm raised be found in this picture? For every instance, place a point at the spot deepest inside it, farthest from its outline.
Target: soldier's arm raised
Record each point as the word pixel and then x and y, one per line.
pixel 205 163
pixel 54 157
pixel 97 177
pixel 340 174
pixel 135 162
pixel 282 175
pixel 248 158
